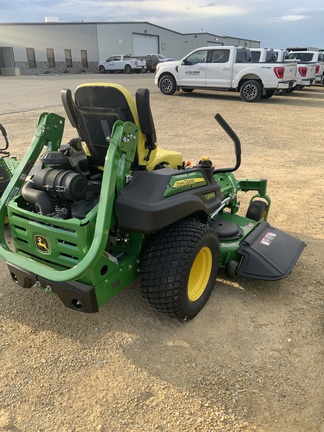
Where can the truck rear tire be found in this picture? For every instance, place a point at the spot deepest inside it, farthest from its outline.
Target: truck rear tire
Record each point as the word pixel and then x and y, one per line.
pixel 167 85
pixel 102 69
pixel 179 268
pixel 250 91
pixel 128 69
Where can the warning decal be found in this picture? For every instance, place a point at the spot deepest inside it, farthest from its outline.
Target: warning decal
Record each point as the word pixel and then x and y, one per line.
pixel 268 239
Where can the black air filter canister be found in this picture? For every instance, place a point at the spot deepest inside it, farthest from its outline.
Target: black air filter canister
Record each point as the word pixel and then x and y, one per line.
pixel 61 184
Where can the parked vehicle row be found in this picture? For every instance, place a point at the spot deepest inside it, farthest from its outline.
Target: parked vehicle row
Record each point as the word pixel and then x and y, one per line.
pixel 226 68
pixel 128 64
pixel 315 58
pixel 306 70
pixel 255 73
pixel 122 63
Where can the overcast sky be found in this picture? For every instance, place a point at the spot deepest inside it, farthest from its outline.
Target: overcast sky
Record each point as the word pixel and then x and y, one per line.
pixel 277 24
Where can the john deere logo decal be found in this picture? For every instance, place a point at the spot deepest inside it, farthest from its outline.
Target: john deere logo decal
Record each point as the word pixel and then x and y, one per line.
pixel 42 244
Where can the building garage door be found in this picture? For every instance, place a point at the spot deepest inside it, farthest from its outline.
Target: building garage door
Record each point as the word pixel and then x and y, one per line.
pixel 145 44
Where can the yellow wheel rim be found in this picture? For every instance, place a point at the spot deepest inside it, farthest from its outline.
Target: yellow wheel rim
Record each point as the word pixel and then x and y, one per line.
pixel 200 273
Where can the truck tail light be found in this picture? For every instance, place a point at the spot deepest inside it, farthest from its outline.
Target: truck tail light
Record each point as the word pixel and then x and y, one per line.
pixel 303 71
pixel 317 69
pixel 279 71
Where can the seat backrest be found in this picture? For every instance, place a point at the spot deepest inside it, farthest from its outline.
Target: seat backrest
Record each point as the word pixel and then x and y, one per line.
pixel 95 109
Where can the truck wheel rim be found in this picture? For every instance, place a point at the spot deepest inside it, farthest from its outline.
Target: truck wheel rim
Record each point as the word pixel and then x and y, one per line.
pixel 200 274
pixel 166 85
pixel 249 91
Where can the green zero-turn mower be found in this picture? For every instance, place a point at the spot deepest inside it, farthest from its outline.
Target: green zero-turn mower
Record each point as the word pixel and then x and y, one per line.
pixel 88 216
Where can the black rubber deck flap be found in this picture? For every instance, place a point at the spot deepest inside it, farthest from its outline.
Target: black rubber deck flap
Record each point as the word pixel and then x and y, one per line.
pixel 269 253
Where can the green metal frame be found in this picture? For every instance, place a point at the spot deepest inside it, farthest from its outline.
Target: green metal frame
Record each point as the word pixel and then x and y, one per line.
pixel 231 187
pixel 120 154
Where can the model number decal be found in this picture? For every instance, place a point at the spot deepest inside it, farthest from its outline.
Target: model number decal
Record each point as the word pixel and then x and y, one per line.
pixel 187 182
pixel 194 72
pixel 268 239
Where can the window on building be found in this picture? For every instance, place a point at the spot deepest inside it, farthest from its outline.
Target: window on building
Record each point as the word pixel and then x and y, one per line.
pixel 68 57
pixel 50 57
pixel 84 58
pixel 31 57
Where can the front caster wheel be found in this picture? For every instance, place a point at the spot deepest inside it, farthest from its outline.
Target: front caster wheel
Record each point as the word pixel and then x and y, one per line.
pixel 179 269
pixel 257 210
pixel 231 268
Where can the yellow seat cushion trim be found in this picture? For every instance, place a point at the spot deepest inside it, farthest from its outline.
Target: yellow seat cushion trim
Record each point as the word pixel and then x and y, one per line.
pixel 173 158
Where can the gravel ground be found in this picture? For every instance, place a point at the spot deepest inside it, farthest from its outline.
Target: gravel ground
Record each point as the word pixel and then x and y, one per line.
pixel 252 360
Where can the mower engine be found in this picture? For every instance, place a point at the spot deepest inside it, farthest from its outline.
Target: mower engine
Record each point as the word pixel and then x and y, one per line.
pixel 62 188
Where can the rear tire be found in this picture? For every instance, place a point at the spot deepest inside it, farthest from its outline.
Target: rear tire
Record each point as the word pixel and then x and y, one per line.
pixel 102 69
pixel 250 91
pixel 257 210
pixel 179 269
pixel 167 85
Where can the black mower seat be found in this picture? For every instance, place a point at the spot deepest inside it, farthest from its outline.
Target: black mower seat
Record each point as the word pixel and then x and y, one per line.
pixel 95 109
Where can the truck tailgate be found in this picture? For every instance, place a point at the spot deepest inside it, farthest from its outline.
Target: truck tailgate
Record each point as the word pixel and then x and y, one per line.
pixel 290 71
pixel 311 68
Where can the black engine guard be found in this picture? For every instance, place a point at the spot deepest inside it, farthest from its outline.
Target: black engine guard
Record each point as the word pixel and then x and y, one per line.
pixel 269 253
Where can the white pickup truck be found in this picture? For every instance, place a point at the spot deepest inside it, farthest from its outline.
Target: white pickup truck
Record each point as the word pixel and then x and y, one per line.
pixel 225 68
pixel 311 57
pixel 122 63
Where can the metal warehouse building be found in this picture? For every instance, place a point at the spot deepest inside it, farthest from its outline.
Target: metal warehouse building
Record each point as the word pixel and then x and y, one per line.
pixel 57 47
